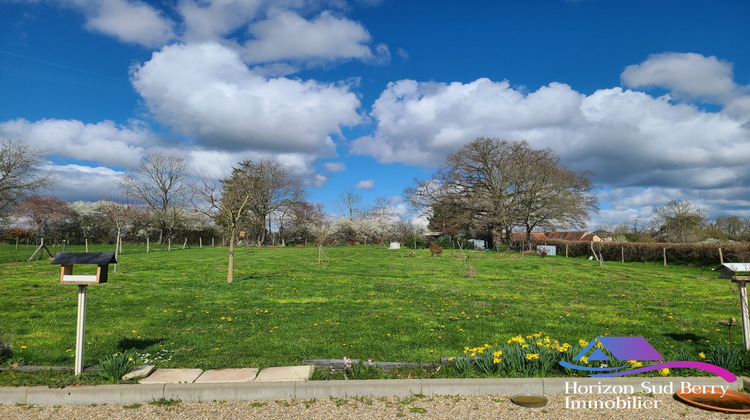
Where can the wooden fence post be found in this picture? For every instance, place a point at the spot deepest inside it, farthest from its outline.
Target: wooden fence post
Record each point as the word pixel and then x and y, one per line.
pixel 622 252
pixel 721 257
pixel 664 252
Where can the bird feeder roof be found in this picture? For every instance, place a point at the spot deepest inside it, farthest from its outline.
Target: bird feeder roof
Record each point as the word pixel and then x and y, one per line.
pixel 86 258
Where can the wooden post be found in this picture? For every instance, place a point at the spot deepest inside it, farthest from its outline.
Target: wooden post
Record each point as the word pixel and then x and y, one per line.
pixel 622 252
pixel 87 244
pixel 169 244
pixel 80 329
pixel 148 245
pixel 200 242
pixel 664 252
pixel 41 247
pixel 212 241
pixel 185 244
pixel 566 250
pixel 721 257
pixel 743 309
pixel 16 243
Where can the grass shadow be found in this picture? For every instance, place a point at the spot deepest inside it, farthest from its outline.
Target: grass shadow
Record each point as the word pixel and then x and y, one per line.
pixel 138 344
pixel 684 337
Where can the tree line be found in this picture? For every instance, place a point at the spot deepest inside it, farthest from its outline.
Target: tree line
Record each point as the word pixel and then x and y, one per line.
pixel 163 199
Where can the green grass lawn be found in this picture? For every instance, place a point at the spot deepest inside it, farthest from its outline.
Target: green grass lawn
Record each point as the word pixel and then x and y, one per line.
pixel 367 303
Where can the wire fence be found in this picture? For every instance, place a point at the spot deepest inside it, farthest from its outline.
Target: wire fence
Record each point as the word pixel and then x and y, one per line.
pixel 701 254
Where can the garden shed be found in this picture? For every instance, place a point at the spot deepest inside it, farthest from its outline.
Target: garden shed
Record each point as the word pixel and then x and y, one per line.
pixel 729 270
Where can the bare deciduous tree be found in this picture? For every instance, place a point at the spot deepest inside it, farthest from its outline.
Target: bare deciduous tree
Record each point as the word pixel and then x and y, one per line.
pixel 41 212
pixel 270 186
pixel 162 183
pixel 19 173
pixel 348 203
pixel 225 201
pixel 680 221
pixel 120 211
pixel 495 185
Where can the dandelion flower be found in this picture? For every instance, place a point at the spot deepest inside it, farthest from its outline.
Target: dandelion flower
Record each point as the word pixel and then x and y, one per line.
pixel 532 356
pixel 701 354
pixel 664 372
pixel 498 353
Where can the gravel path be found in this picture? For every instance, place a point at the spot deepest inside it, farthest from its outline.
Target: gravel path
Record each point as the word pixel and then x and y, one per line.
pixel 434 407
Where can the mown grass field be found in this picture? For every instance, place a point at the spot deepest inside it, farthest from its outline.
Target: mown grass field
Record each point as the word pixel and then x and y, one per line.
pixel 367 303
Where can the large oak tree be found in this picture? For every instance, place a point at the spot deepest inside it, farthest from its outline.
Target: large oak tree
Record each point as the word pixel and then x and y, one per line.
pixel 493 185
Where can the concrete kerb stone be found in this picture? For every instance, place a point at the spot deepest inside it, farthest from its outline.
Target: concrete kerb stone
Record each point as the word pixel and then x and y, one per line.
pixel 237 391
pixel 142 393
pixel 482 386
pixel 359 388
pixel 13 395
pixel 99 394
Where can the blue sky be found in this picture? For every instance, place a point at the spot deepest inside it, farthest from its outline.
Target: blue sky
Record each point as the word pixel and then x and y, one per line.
pixel 653 96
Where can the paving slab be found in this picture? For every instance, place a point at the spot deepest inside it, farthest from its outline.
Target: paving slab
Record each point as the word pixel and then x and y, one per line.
pixel 138 372
pixel 216 376
pixel 285 373
pixel 172 376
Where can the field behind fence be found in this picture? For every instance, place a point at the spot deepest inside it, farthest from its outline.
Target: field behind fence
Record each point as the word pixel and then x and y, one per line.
pixel 367 303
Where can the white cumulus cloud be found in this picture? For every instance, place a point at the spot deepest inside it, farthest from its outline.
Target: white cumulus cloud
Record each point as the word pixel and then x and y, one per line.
pixel 365 185
pixel 687 75
pixel 287 35
pixel 206 92
pixel 104 142
pixel 628 138
pixel 334 167
pixel 129 21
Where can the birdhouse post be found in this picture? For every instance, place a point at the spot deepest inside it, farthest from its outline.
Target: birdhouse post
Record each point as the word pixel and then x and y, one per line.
pixel 741 284
pixel 66 262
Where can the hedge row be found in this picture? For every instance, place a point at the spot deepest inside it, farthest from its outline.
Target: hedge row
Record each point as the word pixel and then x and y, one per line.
pixel 707 254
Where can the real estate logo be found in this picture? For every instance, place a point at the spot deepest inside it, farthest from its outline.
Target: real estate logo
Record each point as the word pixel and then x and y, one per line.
pixel 635 350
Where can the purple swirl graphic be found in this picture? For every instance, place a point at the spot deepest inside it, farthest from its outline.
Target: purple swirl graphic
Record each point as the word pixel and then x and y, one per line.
pixel 719 371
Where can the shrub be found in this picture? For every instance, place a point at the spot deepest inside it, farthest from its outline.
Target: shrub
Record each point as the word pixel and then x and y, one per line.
pixel 413 241
pixel 435 249
pixel 445 242
pixel 4 348
pixel 114 367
